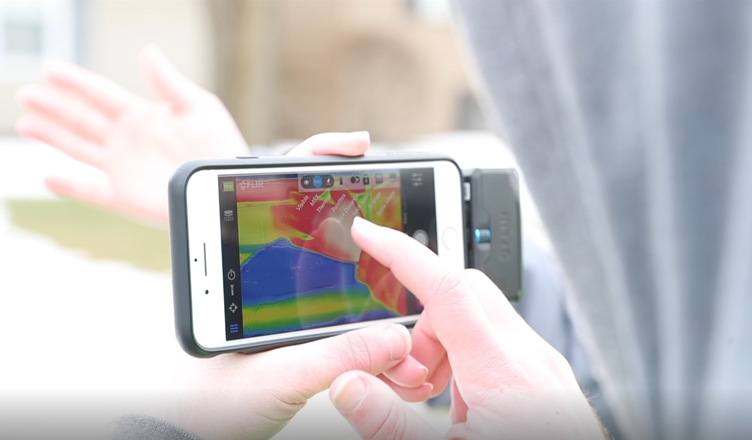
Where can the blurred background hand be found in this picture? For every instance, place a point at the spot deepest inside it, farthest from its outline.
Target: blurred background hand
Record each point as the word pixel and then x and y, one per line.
pixel 136 142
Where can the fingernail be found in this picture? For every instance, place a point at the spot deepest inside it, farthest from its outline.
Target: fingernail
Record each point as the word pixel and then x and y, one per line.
pixel 357 222
pixel 361 223
pixel 425 373
pixel 364 133
pixel 398 342
pixel 349 393
pixel 431 393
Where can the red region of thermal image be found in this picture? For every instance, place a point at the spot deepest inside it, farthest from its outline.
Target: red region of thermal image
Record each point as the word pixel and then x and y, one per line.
pixel 321 221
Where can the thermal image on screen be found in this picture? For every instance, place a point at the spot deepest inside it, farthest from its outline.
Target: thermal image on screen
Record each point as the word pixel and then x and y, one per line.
pixel 299 267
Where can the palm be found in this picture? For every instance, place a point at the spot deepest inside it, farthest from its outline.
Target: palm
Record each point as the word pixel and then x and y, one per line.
pixel 150 139
pixel 136 142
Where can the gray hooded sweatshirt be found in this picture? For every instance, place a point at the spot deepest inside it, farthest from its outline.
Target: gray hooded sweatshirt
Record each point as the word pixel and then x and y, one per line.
pixel 632 124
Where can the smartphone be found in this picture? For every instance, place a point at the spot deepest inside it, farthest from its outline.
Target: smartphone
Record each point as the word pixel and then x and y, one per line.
pixel 263 256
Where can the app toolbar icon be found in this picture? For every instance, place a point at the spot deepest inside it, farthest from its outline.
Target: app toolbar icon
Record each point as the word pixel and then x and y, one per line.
pixel 417 179
pixel 317 181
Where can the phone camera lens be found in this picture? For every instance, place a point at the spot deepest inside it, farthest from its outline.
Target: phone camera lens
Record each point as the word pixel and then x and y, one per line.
pixel 206 292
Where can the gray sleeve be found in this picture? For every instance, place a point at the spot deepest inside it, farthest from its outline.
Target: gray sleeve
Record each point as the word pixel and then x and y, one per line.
pixel 544 308
pixel 134 426
pixel 632 124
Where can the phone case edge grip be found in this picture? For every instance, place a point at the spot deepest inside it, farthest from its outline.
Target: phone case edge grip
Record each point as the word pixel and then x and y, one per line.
pixel 493 227
pixel 179 254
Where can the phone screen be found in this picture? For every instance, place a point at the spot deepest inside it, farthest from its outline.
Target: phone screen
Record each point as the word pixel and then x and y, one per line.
pixel 289 262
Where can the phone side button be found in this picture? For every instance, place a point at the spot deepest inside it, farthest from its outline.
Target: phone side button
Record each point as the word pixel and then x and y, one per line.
pixel 246 157
pixel 450 238
pixel 421 237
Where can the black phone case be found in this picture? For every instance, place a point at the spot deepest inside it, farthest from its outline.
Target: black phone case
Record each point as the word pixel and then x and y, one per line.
pixel 180 257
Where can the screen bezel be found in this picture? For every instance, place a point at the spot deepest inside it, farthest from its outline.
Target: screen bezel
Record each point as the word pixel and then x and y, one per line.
pixel 205 250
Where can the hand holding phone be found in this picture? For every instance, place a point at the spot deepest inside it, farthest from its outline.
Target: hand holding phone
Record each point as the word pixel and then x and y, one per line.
pixel 262 253
pixel 254 396
pixel 238 396
pixel 507 381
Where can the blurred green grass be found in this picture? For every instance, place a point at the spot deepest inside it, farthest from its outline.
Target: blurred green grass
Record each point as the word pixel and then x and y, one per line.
pixel 99 234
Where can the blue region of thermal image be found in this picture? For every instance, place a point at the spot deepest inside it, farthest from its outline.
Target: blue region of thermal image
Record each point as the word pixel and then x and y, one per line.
pixel 287 288
pixel 282 271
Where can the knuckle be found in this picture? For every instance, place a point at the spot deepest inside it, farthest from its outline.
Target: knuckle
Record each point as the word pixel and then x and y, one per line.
pixel 315 142
pixel 451 285
pixel 541 352
pixel 211 98
pixel 358 353
pixel 287 392
pixel 392 427
pixel 537 365
pixel 475 275
pixel 479 279
pixel 555 361
pixel 317 137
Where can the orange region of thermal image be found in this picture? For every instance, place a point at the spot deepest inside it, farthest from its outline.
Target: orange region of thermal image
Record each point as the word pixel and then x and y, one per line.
pixel 320 221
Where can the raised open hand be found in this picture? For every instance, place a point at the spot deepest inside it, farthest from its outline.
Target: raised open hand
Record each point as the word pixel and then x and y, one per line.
pixel 136 142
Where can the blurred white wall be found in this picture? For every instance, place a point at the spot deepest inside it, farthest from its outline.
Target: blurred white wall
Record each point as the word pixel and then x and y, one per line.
pixel 115 31
pixel 286 69
pixel 102 35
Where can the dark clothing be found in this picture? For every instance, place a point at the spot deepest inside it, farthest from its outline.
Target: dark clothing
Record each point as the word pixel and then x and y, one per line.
pixel 140 427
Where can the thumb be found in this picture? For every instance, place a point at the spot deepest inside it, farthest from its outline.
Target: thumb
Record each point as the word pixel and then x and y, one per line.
pixel 374 349
pixel 165 81
pixel 375 411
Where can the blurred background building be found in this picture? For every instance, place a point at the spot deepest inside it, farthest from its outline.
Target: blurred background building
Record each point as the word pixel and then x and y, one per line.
pixel 286 69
